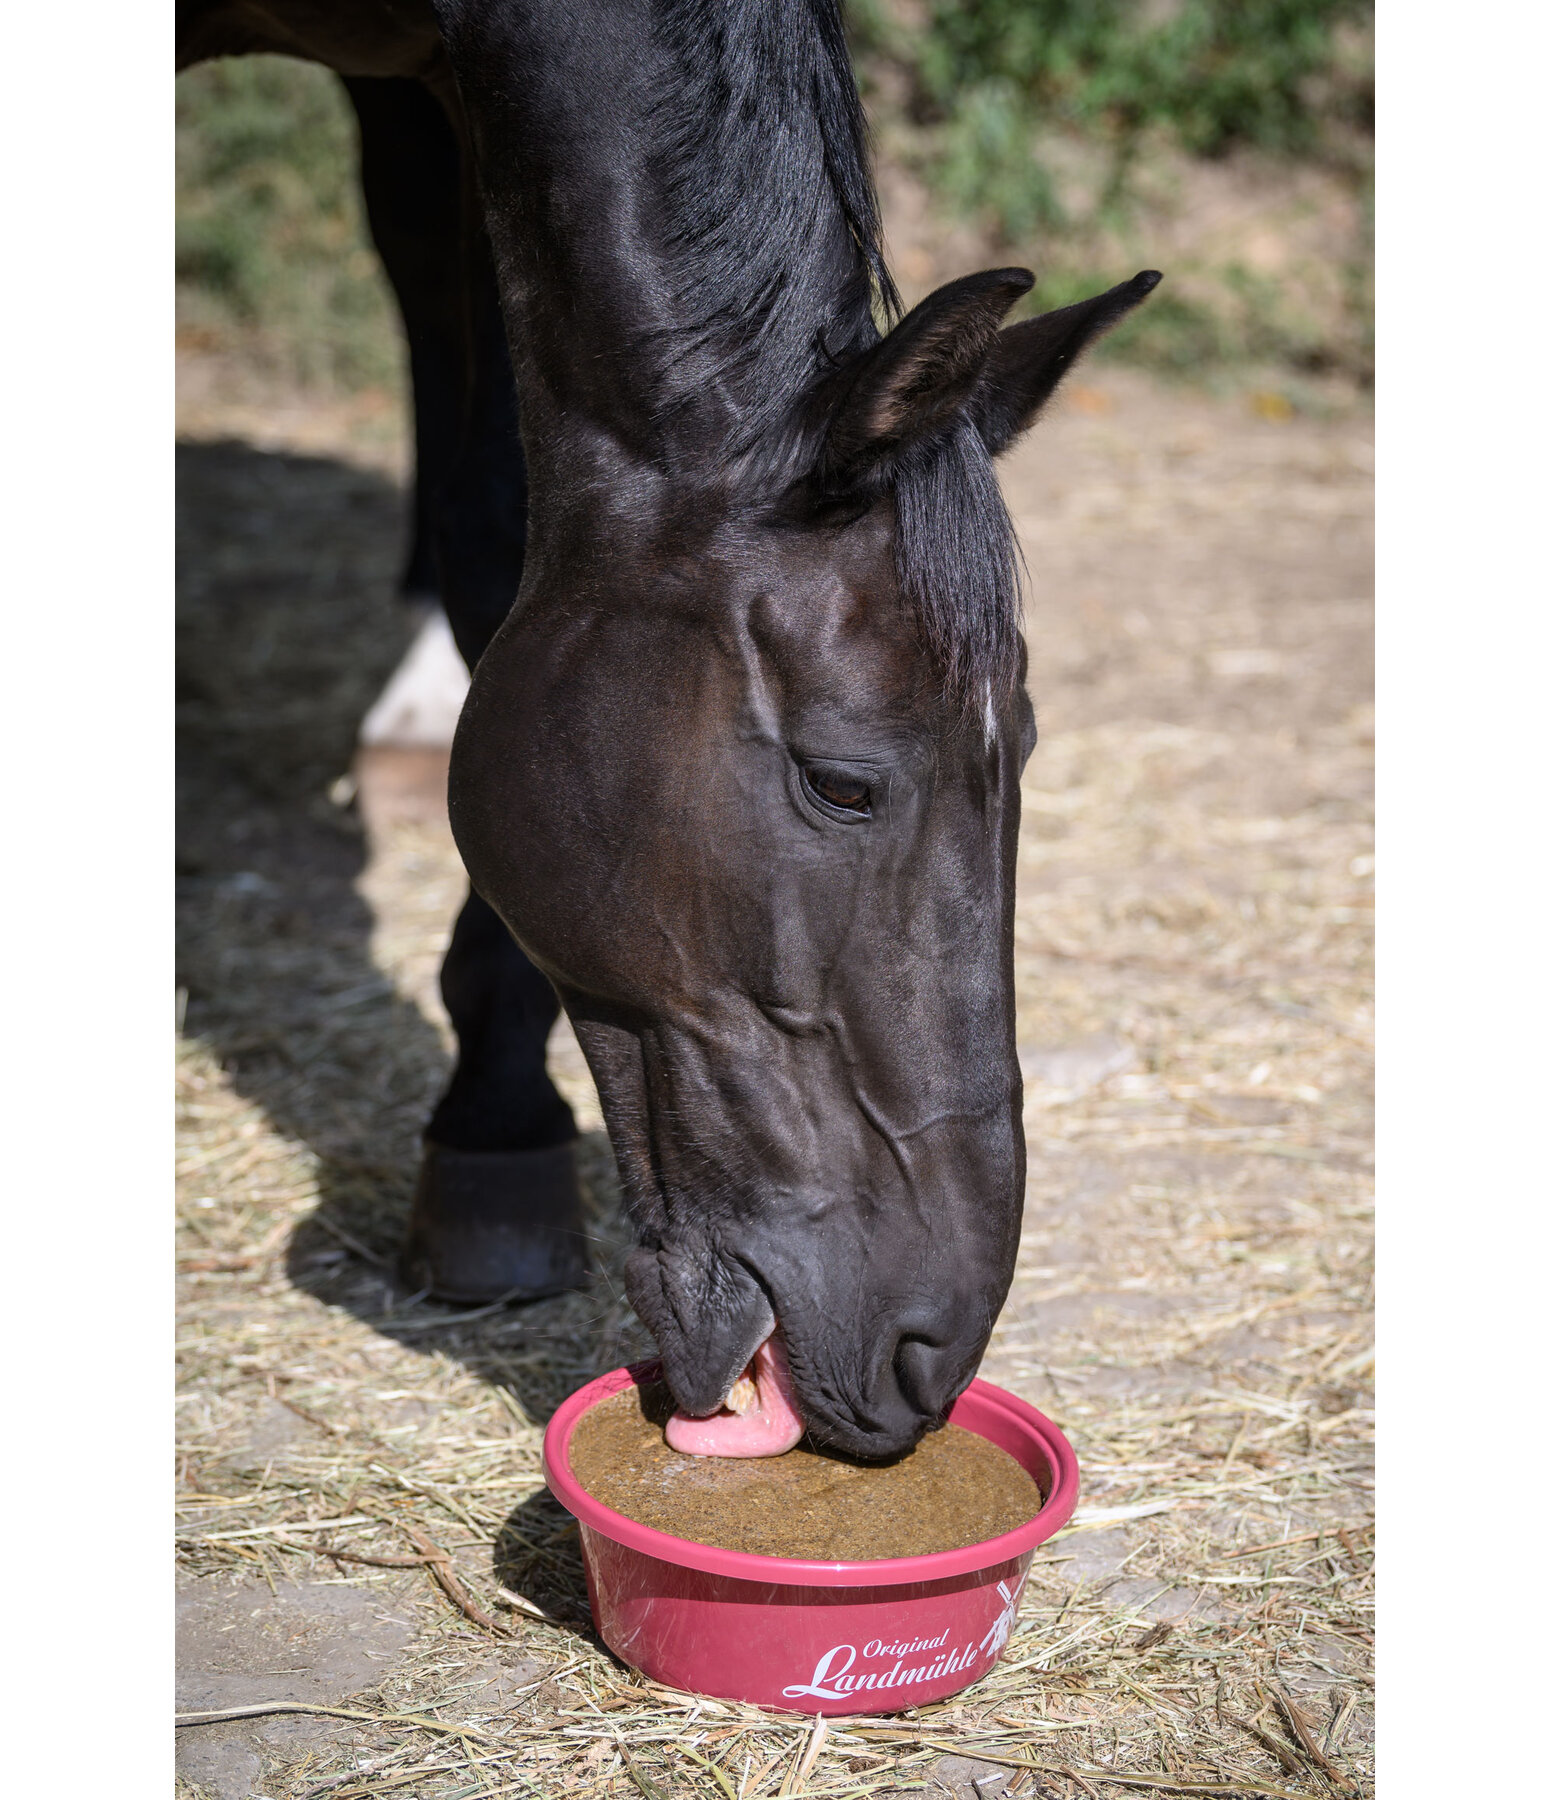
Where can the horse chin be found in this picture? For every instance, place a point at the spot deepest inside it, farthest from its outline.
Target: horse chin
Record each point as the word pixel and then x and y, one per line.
pixel 759 1417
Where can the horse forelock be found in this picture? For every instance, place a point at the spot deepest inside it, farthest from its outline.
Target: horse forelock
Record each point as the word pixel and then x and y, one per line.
pixel 957 562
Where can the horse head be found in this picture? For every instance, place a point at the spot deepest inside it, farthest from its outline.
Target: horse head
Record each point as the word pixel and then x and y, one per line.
pixel 740 772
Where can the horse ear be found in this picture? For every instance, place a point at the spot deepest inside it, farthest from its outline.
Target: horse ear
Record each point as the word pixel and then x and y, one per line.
pixel 1027 361
pixel 918 378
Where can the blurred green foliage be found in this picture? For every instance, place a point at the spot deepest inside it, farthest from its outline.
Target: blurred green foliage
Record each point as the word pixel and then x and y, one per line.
pixel 1287 76
pixel 1040 119
pixel 273 256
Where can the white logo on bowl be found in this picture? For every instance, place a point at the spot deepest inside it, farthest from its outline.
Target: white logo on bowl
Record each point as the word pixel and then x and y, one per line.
pixel 832 1678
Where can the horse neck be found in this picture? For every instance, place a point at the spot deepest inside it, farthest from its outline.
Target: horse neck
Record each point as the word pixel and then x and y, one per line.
pixel 682 219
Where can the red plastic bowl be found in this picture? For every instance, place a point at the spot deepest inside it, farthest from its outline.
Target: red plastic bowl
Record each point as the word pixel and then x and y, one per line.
pixel 815 1637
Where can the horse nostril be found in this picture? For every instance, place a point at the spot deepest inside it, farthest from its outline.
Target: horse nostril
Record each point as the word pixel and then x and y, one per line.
pixel 920 1369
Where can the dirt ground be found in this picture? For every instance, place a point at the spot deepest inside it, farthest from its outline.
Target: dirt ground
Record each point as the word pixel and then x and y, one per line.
pixel 1192 1298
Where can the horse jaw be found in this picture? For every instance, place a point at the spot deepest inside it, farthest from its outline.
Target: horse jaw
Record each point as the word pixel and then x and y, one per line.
pixel 758 1418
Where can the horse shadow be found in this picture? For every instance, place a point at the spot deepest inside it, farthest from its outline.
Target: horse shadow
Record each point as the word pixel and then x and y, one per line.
pixel 289 625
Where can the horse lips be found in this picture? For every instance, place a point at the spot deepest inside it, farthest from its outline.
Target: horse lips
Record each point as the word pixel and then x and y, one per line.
pixel 759 1418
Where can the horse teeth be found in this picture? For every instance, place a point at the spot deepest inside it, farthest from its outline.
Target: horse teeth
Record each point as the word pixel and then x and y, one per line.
pixel 744 1397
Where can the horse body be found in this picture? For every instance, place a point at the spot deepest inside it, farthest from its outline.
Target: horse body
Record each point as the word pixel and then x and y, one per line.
pixel 739 768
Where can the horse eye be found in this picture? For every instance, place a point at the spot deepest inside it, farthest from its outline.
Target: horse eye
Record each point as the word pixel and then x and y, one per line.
pixel 841 791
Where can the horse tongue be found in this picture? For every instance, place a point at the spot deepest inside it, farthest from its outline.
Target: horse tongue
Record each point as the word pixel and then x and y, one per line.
pixel 760 1419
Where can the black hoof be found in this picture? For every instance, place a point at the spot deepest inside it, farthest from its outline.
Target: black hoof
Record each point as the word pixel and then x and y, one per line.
pixel 496 1224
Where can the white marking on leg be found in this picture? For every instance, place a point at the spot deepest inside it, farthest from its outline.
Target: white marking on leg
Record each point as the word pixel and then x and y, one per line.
pixel 419 707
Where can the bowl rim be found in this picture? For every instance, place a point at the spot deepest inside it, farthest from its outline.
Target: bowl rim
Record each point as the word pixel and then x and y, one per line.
pixel 792 1571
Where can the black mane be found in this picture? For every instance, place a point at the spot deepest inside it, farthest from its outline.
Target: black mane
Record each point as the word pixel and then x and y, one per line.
pixel 771 237
pixel 774 250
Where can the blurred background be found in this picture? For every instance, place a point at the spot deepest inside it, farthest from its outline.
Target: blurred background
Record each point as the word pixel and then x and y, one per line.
pixel 1193 931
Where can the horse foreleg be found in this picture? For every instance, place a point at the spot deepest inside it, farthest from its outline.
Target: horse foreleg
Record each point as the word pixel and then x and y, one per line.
pixel 412 185
pixel 497 1210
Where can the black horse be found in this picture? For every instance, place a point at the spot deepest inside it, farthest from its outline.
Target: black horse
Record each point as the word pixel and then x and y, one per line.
pixel 737 779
